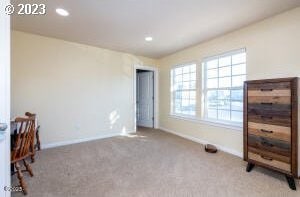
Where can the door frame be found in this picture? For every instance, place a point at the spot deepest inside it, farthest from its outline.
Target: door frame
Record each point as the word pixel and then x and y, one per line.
pixel 156 91
pixel 5 90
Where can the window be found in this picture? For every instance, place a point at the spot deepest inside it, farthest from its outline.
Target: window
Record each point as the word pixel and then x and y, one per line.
pixel 183 90
pixel 223 79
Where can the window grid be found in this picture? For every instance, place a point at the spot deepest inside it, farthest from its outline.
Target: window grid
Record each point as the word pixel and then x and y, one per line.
pixel 230 100
pixel 183 80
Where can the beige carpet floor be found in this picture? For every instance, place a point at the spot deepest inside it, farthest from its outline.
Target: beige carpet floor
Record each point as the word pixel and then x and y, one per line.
pixel 150 163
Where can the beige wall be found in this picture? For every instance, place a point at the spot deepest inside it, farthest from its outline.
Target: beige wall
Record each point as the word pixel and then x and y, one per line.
pixel 78 91
pixel 273 48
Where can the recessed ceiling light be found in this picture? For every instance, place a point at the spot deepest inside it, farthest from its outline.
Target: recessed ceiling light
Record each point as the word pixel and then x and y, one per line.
pixel 62 12
pixel 148 39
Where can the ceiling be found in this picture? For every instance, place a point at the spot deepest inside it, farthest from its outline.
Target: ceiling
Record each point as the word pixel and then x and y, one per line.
pixel 122 25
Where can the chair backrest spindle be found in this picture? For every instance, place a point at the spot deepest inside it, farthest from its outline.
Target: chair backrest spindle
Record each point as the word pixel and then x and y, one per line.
pixel 24 138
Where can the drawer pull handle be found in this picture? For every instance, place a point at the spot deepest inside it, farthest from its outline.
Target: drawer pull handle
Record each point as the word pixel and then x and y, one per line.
pixel 266 117
pixel 267 144
pixel 266 103
pixel 266 131
pixel 266 89
pixel 266 158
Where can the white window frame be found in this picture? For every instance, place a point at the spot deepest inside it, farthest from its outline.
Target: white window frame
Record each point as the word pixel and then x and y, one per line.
pixel 204 114
pixel 172 92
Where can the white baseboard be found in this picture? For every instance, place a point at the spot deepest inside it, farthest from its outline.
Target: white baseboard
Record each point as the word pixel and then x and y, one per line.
pixel 201 141
pixel 76 141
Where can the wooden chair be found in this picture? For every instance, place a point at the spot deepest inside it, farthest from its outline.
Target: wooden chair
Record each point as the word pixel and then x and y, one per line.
pixel 23 147
pixel 37 145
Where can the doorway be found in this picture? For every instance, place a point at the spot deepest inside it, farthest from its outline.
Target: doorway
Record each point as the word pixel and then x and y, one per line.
pixel 145 97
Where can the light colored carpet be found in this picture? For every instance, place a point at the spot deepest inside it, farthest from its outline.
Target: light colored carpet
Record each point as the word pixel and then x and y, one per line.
pixel 150 163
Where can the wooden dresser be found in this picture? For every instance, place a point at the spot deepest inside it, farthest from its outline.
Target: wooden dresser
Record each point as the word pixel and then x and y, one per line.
pixel 271 126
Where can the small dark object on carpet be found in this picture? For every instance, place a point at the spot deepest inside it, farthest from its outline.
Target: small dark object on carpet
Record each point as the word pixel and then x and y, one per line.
pixel 210 148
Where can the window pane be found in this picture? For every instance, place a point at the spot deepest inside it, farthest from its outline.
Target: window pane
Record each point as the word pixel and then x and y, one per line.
pixel 192 94
pixel 212 83
pixel 193 102
pixel 212 95
pixel 224 82
pixel 224 114
pixel 185 85
pixel 212 104
pixel 224 94
pixel 185 95
pixel 193 68
pixel 225 61
pixel 212 73
pixel 212 64
pixel 178 110
pixel 184 103
pixel 187 108
pixel 193 76
pixel 178 86
pixel 237 105
pixel 212 113
pixel 186 77
pixel 237 116
pixel 237 94
pixel 186 69
pixel 177 105
pixel 239 58
pixel 192 84
pixel 178 78
pixel 238 81
pixel 178 71
pixel 224 104
pixel 224 77
pixel 239 69
pixel 178 95
pixel 225 71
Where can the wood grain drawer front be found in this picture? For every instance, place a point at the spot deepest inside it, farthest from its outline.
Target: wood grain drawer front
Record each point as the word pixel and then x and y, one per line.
pixel 286 92
pixel 269 161
pixel 277 114
pixel 268 154
pixel 269 109
pixel 273 120
pixel 269 99
pixel 269 86
pixel 270 131
pixel 271 145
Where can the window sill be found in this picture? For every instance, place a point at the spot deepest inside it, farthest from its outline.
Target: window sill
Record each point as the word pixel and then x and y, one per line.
pixel 236 127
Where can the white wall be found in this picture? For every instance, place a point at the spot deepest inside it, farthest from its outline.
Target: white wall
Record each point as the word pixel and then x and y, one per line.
pixel 273 47
pixel 78 91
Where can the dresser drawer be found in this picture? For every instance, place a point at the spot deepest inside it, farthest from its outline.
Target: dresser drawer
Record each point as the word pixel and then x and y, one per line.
pixel 271 145
pixel 275 114
pixel 268 154
pixel 269 161
pixel 270 131
pixel 269 99
pixel 279 89
pixel 269 92
pixel 269 86
pixel 273 120
pixel 269 109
